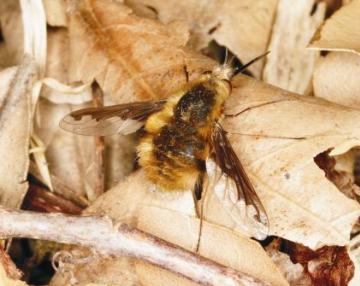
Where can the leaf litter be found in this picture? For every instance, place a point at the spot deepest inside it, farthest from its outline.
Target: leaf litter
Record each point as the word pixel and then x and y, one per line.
pixel 311 201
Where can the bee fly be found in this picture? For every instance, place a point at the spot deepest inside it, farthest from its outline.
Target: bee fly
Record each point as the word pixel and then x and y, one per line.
pixel 179 134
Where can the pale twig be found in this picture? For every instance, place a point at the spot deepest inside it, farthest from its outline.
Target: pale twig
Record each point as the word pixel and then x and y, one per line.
pixel 100 234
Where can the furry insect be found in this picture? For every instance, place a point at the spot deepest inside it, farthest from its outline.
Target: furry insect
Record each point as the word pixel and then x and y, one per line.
pixel 179 134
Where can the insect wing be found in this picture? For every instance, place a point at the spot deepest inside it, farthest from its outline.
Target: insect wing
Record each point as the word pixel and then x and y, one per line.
pixel 102 121
pixel 229 163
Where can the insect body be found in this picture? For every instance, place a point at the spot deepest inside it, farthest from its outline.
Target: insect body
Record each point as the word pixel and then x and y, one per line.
pixel 179 135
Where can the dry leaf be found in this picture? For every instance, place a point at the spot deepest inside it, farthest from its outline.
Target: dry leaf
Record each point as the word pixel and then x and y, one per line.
pixel 329 265
pixel 15 128
pixel 288 143
pixel 130 57
pixel 242 26
pixel 71 157
pixel 217 243
pixel 336 78
pixel 138 203
pixel 6 281
pixel 12 31
pixel 341 32
pixel 8 265
pixel 354 255
pixel 290 65
pixel 293 272
pixel 57 66
pixel 55 11
pixel 339 170
pixel 277 135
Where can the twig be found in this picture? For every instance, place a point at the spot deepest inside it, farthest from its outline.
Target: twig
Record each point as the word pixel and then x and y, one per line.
pixel 99 181
pixel 101 235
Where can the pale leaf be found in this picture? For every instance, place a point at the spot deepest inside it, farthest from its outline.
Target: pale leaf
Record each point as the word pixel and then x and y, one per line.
pixel 57 72
pixel 242 26
pixel 6 281
pixel 15 128
pixel 277 135
pixel 55 11
pixel 34 26
pixel 65 152
pixel 341 32
pixel 336 78
pixel 217 243
pixel 69 156
pixel 171 216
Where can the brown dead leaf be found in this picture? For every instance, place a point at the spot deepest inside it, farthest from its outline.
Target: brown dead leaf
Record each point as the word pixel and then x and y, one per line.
pixel 329 265
pixel 339 170
pixel 336 78
pixel 242 26
pixel 15 128
pixel 130 57
pixel 341 32
pixel 290 65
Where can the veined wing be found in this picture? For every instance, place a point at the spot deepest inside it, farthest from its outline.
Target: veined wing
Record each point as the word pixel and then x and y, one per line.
pixel 230 164
pixel 102 121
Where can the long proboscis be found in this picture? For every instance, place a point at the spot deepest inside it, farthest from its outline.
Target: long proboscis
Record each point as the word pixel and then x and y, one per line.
pixel 244 67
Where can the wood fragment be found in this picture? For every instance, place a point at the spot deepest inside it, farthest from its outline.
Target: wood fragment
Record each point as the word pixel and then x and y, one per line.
pixel 99 180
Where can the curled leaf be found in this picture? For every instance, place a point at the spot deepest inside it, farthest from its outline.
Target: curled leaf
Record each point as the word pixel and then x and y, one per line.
pixel 341 31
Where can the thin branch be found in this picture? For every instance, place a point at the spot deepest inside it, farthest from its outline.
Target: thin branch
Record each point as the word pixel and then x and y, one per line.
pixel 100 234
pixel 99 182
